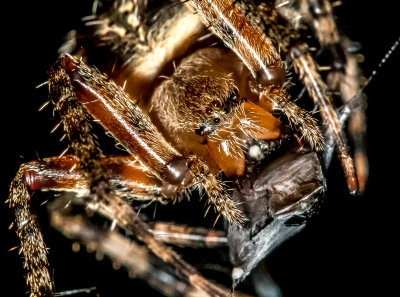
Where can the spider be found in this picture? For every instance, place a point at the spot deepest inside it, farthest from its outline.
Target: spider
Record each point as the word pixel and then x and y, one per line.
pixel 203 120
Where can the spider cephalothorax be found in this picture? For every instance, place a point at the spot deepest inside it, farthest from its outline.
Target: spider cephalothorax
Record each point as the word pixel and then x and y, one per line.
pixel 195 99
pixel 218 119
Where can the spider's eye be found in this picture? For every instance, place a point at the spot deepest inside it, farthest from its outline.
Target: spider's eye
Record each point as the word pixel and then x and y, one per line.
pixel 216 104
pixel 234 96
pixel 232 101
pixel 217 120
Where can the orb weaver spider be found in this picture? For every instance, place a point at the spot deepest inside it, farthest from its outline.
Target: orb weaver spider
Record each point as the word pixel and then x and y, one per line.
pixel 93 171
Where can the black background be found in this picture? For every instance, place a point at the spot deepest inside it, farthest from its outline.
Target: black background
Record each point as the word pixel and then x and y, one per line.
pixel 346 250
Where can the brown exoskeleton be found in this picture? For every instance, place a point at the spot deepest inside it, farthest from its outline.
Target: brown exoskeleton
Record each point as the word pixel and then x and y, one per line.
pixel 185 111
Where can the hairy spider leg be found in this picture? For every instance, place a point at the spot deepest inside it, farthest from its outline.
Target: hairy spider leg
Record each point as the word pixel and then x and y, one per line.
pixel 347 83
pixel 124 175
pixel 316 87
pixel 344 75
pixel 318 14
pixel 76 123
pixel 137 259
pixel 342 78
pixel 33 247
pixel 62 174
pixel 115 111
pixel 183 236
pixel 326 31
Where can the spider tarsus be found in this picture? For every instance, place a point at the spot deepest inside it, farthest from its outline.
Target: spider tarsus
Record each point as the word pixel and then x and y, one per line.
pixel 222 202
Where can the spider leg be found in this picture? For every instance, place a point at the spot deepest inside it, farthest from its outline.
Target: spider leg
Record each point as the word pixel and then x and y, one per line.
pixel 27 228
pixel 32 244
pixel 326 31
pixel 347 83
pixel 76 123
pixel 344 112
pixel 319 16
pixel 343 78
pixel 64 174
pixel 137 259
pixel 124 175
pixel 188 236
pixel 126 218
pixel 56 174
pixel 115 111
pixel 316 87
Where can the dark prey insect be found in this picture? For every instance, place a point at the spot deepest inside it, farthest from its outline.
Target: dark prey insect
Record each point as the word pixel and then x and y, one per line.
pixel 199 97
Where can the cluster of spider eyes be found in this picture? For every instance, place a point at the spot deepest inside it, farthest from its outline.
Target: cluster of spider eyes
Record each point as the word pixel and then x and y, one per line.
pixel 216 106
pixel 214 111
